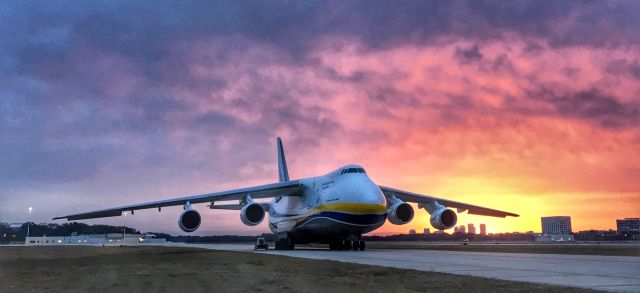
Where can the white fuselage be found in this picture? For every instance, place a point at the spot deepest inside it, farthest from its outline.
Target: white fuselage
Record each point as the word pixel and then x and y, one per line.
pixel 345 201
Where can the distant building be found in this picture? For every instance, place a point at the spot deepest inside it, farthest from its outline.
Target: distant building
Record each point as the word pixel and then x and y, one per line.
pixel 483 229
pixel 412 231
pixel 456 229
pixel 427 231
pixel 555 238
pixel 472 228
pixel 94 239
pixel 560 225
pixel 596 235
pixel 462 229
pixel 628 226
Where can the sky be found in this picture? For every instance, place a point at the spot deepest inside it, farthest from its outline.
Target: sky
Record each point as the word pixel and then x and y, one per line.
pixel 527 106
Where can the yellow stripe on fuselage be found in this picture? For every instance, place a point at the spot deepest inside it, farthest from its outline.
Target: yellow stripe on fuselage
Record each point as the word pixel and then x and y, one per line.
pixel 351 207
pixel 347 207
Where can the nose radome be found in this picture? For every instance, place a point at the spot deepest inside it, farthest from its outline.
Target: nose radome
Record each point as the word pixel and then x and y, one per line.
pixel 373 195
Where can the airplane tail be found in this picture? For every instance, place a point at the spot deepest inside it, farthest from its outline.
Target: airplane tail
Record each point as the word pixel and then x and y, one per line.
pixel 282 163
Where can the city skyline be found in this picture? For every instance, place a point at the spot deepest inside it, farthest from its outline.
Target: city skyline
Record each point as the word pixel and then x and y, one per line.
pixel 516 107
pixel 458 228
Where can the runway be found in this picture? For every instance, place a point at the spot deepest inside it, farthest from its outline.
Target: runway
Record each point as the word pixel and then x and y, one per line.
pixel 610 273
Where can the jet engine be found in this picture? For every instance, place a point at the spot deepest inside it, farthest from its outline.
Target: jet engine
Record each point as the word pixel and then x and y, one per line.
pixel 189 220
pixel 443 219
pixel 399 213
pixel 252 214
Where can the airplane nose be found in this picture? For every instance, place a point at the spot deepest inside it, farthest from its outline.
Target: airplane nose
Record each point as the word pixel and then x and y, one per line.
pixel 373 195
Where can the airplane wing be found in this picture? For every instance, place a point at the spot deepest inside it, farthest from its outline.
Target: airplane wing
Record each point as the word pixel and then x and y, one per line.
pixel 287 188
pixel 426 199
pixel 236 207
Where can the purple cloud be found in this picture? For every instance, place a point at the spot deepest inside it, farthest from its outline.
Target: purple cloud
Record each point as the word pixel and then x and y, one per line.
pixel 158 95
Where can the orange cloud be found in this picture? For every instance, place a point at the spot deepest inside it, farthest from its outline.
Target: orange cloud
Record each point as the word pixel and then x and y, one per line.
pixel 538 132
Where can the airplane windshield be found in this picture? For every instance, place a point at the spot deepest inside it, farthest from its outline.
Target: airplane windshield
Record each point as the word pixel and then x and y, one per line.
pixel 353 170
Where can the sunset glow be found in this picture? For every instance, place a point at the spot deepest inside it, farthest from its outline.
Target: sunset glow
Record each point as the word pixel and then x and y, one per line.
pixel 539 124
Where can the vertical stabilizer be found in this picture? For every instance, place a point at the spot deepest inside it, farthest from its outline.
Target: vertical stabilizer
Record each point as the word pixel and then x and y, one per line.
pixel 282 163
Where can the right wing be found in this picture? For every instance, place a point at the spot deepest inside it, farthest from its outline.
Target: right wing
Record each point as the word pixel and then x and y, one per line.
pixel 287 188
pixel 461 206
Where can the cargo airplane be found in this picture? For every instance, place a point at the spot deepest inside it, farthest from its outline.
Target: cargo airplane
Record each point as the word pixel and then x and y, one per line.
pixel 335 208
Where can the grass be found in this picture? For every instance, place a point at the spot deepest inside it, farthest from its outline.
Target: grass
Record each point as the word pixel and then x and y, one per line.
pixel 171 269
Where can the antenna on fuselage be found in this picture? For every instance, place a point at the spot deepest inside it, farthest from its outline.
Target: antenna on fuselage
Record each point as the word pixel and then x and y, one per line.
pixel 282 163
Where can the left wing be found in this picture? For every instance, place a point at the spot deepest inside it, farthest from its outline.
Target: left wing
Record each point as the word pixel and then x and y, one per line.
pixel 236 207
pixel 426 199
pixel 287 188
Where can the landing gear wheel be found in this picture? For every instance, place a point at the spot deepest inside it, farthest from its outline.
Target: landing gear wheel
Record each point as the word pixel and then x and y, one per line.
pixel 291 245
pixel 361 245
pixel 285 244
pixel 355 245
pixel 346 244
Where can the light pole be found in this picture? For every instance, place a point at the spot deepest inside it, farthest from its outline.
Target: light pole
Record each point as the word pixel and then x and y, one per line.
pixel 124 229
pixel 28 225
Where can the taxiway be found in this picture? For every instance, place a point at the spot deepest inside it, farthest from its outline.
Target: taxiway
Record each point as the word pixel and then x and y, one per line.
pixel 610 273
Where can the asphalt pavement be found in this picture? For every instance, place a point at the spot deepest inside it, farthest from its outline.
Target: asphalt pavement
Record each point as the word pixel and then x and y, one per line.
pixel 611 273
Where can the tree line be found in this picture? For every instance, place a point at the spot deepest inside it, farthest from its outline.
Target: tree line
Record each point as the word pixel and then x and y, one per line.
pixel 18 234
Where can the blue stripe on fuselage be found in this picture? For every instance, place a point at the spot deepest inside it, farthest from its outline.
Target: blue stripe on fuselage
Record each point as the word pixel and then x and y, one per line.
pixel 355 219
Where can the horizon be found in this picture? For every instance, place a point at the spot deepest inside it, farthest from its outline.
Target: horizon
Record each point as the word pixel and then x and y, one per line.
pixel 526 107
pixel 374 233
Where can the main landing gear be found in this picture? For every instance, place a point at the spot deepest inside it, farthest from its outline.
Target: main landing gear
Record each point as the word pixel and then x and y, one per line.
pixel 346 244
pixel 285 244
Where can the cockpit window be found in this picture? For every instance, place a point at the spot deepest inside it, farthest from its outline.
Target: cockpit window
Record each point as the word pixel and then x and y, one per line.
pixel 353 170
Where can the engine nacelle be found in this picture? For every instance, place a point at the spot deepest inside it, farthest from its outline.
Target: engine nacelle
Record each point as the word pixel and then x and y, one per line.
pixel 399 213
pixel 189 220
pixel 252 214
pixel 443 219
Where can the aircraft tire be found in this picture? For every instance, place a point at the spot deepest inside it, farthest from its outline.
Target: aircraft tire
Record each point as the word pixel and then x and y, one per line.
pixel 290 244
pixel 285 244
pixel 281 244
pixel 346 244
pixel 361 245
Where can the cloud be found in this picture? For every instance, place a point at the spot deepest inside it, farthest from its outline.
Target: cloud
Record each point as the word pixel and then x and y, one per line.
pixel 122 102
pixel 468 55
pixel 594 105
pixel 44 30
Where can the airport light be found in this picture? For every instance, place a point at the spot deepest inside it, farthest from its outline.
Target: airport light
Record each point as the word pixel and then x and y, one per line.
pixel 28 224
pixel 124 229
